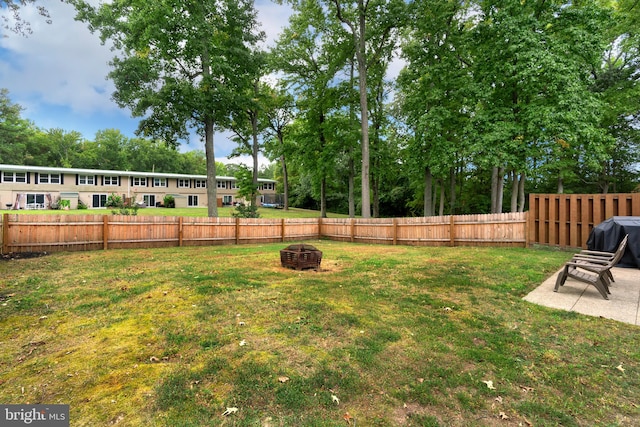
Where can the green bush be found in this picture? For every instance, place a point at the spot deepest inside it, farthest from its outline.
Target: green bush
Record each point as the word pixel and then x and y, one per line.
pixel 243 211
pixel 169 201
pixel 115 201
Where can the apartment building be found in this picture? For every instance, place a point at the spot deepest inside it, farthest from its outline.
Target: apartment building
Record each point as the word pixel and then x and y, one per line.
pixel 36 187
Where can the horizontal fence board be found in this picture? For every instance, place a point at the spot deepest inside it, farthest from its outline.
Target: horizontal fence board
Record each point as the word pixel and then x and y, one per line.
pixel 49 233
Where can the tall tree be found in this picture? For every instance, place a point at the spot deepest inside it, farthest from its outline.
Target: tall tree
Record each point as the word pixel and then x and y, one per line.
pixel 279 114
pixel 54 147
pixel 310 58
pixel 371 25
pixel 181 65
pixel 437 92
pixel 15 131
pixel 533 62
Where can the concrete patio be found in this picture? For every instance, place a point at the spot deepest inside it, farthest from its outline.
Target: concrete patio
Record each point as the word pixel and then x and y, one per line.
pixel 623 304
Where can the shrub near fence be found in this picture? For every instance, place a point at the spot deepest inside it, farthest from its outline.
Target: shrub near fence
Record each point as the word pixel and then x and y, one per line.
pixel 51 233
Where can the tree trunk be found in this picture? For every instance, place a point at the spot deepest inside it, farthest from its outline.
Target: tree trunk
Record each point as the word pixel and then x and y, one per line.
pixel 212 191
pixel 514 191
pixel 560 189
pixel 376 196
pixel 523 177
pixel 352 179
pixel 323 197
pixel 254 154
pixel 442 199
pixel 285 183
pixel 500 190
pixel 452 190
pixel 364 109
pixel 434 199
pixel 428 192
pixel 212 196
pixel 494 189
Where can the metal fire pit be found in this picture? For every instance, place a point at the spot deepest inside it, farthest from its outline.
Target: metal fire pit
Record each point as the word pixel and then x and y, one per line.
pixel 301 257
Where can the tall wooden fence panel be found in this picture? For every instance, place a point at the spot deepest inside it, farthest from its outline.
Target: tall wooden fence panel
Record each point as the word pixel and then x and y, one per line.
pixel 566 220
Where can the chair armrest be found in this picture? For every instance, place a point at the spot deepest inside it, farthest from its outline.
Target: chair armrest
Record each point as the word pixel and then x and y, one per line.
pixel 594 268
pixel 597 253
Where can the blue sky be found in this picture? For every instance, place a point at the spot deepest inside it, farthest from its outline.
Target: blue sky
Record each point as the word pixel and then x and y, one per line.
pixel 58 74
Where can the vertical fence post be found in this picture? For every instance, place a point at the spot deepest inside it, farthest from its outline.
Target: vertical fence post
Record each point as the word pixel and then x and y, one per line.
pixel 282 230
pixel 105 232
pixel 452 231
pixel 353 230
pixel 237 230
pixel 319 228
pixel 5 233
pixel 180 236
pixel 395 231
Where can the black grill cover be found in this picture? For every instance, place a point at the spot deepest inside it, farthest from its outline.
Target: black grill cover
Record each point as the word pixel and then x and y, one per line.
pixel 607 235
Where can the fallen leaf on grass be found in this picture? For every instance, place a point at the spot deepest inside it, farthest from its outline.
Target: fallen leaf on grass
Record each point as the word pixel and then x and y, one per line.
pixel 489 384
pixel 243 343
pixel 283 379
pixel 503 416
pixel 334 398
pixel 620 368
pixel 526 389
pixel 230 411
pixel 347 417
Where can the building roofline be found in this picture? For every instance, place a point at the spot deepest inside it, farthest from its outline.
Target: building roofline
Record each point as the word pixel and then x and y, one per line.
pixel 44 169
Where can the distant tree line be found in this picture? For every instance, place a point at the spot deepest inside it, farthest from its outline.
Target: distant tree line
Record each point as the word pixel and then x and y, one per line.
pixel 23 143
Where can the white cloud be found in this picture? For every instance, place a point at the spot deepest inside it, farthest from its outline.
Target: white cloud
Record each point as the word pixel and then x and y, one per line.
pixel 60 64
pixel 58 73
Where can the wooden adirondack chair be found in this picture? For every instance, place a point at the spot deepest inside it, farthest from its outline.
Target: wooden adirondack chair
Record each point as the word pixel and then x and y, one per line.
pixel 602 258
pixel 593 271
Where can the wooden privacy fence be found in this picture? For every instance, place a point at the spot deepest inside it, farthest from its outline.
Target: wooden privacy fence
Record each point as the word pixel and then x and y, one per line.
pixel 566 220
pixel 52 233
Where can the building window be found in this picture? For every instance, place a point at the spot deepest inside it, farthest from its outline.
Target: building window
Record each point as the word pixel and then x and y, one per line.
pixel 99 201
pixel 49 178
pixel 110 180
pixel 227 200
pixel 192 201
pixel 267 186
pixel 139 182
pixel 35 201
pixel 183 183
pixel 201 183
pixel 86 180
pixel 233 185
pixel 222 184
pixel 149 200
pixel 14 177
pixel 159 182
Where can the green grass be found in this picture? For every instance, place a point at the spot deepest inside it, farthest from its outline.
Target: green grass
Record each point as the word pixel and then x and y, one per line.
pixel 401 336
pixel 224 212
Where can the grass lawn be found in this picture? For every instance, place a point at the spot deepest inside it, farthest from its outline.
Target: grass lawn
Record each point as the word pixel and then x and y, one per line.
pixel 222 212
pixel 382 336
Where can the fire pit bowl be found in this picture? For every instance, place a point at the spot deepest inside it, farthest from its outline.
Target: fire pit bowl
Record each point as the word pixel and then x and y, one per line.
pixel 300 257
